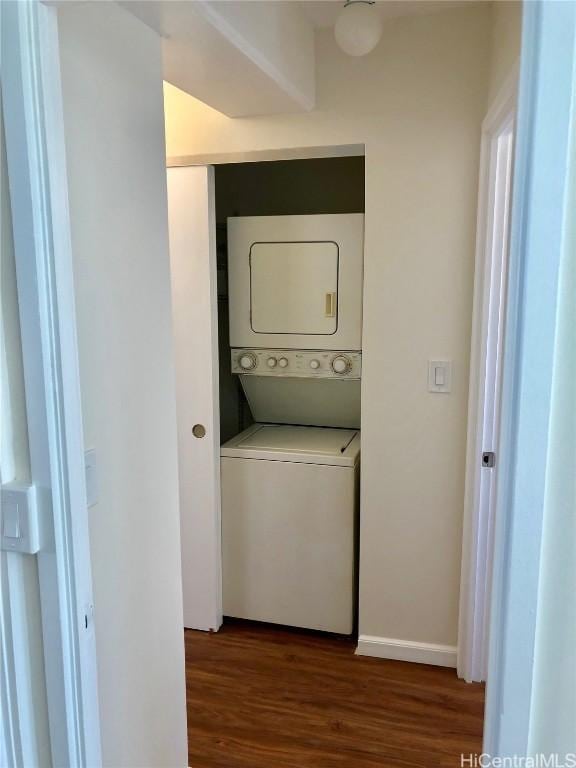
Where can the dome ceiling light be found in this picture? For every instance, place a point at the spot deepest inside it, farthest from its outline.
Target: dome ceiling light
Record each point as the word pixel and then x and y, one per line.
pixel 358 28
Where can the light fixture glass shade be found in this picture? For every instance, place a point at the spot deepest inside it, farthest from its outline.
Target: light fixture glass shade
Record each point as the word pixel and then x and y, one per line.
pixel 358 29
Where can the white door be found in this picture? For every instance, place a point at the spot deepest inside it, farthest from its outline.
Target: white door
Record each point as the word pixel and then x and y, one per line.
pixel 485 388
pixel 192 230
pixel 491 392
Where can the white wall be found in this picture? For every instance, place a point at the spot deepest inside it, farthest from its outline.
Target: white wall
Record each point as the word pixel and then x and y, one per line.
pixel 19 573
pixel 417 104
pixel 112 88
pixel 505 46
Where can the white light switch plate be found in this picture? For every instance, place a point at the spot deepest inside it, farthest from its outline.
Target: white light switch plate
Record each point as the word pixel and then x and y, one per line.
pixel 440 376
pixel 20 524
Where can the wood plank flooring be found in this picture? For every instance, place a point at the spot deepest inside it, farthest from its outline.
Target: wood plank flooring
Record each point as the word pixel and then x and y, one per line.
pixel 266 697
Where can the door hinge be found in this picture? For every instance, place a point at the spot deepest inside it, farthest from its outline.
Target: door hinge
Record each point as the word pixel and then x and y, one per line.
pixel 488 459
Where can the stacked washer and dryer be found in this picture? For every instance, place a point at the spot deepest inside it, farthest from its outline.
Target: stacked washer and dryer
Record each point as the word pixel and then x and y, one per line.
pixel 290 481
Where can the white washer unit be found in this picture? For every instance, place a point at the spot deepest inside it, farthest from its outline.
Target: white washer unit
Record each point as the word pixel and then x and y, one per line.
pixel 289 508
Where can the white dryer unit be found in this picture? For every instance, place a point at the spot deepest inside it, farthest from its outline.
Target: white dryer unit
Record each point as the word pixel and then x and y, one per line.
pixel 289 514
pixel 295 282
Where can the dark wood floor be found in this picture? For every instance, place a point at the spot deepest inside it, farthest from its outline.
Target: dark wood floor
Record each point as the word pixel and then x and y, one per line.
pixel 266 697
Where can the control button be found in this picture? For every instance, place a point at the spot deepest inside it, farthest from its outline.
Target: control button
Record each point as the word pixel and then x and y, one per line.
pixel 341 364
pixel 283 362
pixel 271 362
pixel 247 361
pixel 314 364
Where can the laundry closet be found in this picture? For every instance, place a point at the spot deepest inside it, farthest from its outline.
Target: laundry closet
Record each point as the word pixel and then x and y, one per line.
pixel 289 255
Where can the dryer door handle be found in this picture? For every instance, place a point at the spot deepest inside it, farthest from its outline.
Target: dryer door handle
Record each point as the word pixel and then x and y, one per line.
pixel 330 305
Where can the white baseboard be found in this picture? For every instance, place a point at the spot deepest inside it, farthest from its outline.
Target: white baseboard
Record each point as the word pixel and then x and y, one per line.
pixel 407 650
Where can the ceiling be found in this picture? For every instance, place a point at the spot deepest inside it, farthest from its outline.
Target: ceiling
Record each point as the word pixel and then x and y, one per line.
pixel 251 57
pixel 323 13
pixel 241 58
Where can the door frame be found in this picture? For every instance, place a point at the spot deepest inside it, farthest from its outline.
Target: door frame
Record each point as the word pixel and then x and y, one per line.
pixel 34 127
pixel 489 308
pixel 35 132
pixel 537 242
pixel 45 271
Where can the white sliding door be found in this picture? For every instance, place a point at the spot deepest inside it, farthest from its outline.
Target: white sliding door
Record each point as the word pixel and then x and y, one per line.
pixel 192 229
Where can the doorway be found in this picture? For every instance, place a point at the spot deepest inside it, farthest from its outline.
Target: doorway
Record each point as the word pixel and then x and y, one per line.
pixel 259 189
pixel 202 202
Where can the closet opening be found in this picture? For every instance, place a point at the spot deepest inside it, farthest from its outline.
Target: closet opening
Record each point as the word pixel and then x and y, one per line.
pixel 289 253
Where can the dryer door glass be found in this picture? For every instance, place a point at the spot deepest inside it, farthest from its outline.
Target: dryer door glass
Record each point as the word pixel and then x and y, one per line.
pixel 294 287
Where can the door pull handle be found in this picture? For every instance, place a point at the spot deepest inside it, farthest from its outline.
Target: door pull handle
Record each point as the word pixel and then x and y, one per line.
pixel 330 305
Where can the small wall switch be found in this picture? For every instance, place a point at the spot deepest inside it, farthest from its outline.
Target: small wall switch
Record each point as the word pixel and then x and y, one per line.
pixel 440 376
pixel 11 519
pixel 19 515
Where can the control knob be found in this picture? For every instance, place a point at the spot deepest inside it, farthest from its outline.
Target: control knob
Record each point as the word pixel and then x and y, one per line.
pixel 271 362
pixel 341 364
pixel 283 362
pixel 314 364
pixel 247 361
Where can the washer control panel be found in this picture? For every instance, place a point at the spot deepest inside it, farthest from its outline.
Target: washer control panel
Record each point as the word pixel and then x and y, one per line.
pixel 297 363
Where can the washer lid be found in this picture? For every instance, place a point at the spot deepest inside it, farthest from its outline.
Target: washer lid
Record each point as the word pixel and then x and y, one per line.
pixel 304 445
pixel 323 441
